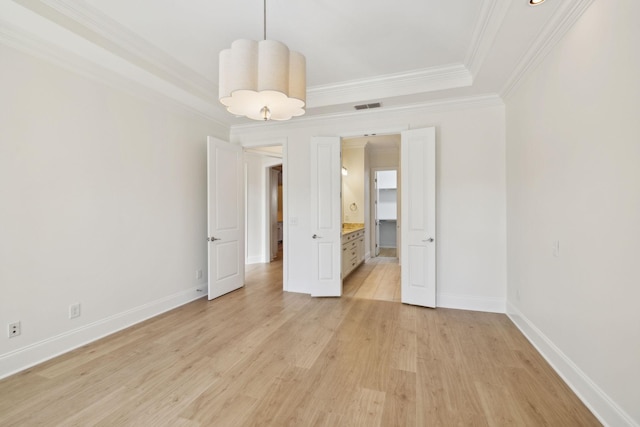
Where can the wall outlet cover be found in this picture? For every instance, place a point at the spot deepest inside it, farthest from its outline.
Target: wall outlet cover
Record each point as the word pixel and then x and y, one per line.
pixel 74 311
pixel 14 329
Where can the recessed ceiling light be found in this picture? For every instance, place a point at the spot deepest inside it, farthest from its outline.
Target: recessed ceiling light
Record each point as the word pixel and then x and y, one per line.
pixel 535 2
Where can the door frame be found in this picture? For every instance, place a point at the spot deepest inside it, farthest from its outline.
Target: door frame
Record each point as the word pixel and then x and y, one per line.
pixel 267 219
pixel 372 132
pixel 283 142
pixel 372 189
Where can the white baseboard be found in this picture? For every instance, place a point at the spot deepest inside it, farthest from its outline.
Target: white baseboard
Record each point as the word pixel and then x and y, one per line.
pixel 255 260
pixel 470 302
pixel 600 404
pixel 26 357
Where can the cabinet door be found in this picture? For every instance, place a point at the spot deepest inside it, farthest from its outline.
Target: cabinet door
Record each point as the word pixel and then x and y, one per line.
pixel 345 261
pixel 360 249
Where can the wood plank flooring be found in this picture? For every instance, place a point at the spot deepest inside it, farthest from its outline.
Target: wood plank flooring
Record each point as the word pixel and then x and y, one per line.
pixel 378 279
pixel 388 252
pixel 261 357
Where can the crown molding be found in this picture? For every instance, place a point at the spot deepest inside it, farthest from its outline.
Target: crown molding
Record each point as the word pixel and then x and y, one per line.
pixel 488 24
pixel 88 22
pixel 452 76
pixel 567 15
pixel 91 24
pixel 34 45
pixel 437 106
pixel 389 85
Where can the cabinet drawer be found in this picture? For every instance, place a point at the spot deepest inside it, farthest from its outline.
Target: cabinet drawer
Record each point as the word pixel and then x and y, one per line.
pixel 348 252
pixel 352 251
pixel 353 236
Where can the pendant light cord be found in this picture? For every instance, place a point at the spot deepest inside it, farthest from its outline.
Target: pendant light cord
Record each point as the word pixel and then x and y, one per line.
pixel 265 19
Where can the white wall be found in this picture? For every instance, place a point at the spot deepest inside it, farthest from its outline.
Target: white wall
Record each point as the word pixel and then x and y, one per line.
pixel 573 156
pixel 353 158
pixel 471 194
pixel 384 157
pixel 102 203
pixel 255 183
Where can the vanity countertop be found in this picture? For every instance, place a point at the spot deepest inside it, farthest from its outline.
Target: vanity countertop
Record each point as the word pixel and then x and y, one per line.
pixel 351 229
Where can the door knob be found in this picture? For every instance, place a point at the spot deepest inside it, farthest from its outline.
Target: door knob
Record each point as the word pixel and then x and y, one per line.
pixel 212 239
pixel 430 239
pixel 315 236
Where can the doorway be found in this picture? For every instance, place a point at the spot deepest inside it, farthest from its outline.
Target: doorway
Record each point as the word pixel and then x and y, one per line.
pixel 274 212
pixel 385 222
pixel 265 193
pixel 370 199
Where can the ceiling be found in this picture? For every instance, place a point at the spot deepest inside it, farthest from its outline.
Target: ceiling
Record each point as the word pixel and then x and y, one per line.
pixel 402 53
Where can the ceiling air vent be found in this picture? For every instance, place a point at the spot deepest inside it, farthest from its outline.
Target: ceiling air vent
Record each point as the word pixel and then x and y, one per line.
pixel 367 106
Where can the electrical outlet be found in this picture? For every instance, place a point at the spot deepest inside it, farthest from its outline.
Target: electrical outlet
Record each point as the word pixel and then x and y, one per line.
pixel 14 329
pixel 556 248
pixel 74 311
pixel 198 274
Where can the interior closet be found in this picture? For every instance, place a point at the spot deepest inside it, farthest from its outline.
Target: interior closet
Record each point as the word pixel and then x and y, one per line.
pixel 386 212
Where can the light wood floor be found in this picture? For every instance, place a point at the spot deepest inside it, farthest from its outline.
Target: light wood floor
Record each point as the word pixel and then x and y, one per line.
pixel 259 356
pixel 378 279
pixel 387 252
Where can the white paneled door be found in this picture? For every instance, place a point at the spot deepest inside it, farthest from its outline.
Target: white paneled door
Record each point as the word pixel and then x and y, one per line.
pixel 326 226
pixel 418 211
pixel 225 217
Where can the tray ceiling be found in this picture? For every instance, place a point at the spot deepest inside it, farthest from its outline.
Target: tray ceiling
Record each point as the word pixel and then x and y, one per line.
pixel 398 53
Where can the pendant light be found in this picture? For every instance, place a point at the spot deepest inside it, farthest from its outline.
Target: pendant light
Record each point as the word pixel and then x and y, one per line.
pixel 262 80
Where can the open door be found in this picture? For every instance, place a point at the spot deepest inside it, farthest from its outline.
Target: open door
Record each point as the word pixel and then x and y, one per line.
pixel 326 226
pixel 225 204
pixel 418 213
